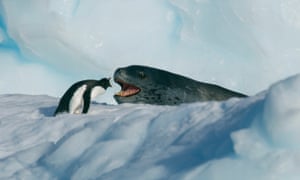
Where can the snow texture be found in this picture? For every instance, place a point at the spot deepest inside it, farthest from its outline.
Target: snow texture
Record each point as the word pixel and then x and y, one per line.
pixel 251 138
pixel 45 46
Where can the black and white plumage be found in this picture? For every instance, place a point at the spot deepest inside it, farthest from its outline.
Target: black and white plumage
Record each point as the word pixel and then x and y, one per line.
pixel 77 98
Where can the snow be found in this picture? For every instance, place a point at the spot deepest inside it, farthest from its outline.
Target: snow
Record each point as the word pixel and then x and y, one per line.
pixel 250 46
pixel 251 138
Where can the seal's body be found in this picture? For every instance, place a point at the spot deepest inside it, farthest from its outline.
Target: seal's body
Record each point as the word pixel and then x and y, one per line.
pixel 77 98
pixel 142 84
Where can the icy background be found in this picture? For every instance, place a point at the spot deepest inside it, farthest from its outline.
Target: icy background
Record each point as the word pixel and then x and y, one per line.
pixel 243 45
pixel 248 45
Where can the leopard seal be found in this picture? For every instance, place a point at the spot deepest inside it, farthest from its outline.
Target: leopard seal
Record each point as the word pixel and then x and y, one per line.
pixel 148 85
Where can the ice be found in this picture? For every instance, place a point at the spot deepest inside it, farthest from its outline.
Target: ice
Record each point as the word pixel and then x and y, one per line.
pixel 46 46
pixel 251 138
pixel 281 116
pixel 242 45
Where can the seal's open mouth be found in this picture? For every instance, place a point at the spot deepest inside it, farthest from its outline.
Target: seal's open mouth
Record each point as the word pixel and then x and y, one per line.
pixel 127 89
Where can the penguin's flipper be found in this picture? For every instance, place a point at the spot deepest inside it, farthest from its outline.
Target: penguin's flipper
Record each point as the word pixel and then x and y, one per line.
pixel 86 101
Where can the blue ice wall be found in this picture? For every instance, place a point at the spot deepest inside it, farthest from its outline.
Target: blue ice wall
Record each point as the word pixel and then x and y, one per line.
pixel 242 45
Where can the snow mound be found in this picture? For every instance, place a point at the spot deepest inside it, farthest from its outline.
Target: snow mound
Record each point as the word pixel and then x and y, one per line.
pixel 252 138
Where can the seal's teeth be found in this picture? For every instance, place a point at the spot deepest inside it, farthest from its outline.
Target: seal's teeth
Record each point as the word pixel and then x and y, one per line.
pixel 128 92
pixel 119 93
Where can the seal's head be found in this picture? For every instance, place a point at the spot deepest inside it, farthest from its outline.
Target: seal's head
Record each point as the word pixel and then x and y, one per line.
pixel 142 84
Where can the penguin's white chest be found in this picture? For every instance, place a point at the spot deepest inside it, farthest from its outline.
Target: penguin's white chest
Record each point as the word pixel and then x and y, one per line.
pixel 76 103
pixel 96 91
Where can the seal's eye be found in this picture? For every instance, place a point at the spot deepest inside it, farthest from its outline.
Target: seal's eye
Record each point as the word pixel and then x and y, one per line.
pixel 142 75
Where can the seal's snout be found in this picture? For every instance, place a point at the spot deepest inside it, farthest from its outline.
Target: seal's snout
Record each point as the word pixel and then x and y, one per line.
pixel 116 74
pixel 119 72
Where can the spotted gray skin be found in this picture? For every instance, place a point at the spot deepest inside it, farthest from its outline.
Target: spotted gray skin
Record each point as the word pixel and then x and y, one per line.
pixel 165 88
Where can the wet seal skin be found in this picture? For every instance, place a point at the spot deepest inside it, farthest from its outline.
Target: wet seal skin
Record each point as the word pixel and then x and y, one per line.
pixel 147 85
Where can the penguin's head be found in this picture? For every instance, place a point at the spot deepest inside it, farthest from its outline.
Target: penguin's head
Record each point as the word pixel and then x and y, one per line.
pixel 105 83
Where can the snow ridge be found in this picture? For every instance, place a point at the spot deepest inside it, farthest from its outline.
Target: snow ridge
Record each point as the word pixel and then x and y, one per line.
pixel 191 141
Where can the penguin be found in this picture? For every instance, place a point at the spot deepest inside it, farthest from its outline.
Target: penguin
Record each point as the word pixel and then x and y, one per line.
pixel 77 98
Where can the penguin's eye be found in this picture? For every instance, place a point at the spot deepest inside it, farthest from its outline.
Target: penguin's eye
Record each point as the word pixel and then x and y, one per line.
pixel 142 75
